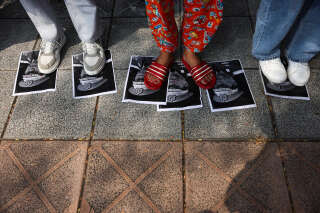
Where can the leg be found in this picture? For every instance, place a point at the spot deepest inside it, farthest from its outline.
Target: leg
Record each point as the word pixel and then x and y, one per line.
pixel 200 22
pixel 162 23
pixel 84 15
pixel 274 21
pixel 164 29
pixel 305 42
pixel 43 18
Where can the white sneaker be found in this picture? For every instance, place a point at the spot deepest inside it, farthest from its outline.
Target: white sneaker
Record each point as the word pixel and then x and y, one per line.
pixel 274 70
pixel 93 58
pixel 298 73
pixel 49 55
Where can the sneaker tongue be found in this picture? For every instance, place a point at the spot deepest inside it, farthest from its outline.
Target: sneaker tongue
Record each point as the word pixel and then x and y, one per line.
pixel 48 48
pixel 91 49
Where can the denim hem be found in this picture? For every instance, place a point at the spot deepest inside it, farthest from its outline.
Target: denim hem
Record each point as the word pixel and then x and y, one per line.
pixel 300 60
pixel 265 58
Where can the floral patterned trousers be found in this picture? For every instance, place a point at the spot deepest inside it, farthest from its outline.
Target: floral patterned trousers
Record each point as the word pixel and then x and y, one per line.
pixel 200 21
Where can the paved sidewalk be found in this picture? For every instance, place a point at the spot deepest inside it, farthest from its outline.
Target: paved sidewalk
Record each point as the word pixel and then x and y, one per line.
pixel 97 155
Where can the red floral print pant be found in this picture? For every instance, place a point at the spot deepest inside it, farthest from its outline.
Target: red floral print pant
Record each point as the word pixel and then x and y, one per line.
pixel 200 22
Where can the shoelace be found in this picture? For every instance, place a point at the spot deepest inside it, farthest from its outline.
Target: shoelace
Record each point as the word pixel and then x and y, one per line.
pixel 90 48
pixel 48 47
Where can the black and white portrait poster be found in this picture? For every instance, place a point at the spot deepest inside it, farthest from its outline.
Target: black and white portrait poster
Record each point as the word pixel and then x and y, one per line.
pixel 232 90
pixel 28 78
pixel 183 93
pixel 284 90
pixel 135 91
pixel 86 86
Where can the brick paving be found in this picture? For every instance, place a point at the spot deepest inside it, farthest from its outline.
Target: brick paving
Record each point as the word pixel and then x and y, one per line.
pixel 101 155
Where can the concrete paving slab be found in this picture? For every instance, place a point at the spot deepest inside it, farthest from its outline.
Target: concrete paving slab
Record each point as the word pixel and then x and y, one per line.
pixel 253 7
pixel 233 40
pixel 52 115
pixel 227 176
pixel 301 161
pixel 117 120
pixel 53 170
pixel 154 167
pixel 12 9
pixel 315 62
pixel 246 123
pixel 131 36
pixel 299 119
pixel 136 8
pixel 13 40
pixel 6 87
pixel 234 8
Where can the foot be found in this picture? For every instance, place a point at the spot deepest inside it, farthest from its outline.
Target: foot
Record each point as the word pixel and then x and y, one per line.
pixel 49 55
pixel 298 73
pixel 194 61
pixel 93 58
pixel 274 70
pixel 165 59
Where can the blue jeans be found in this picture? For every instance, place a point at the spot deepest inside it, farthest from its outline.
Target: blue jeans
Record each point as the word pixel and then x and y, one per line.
pixel 83 13
pixel 295 21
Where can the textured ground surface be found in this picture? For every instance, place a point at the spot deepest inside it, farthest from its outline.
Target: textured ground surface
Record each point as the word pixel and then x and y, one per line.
pixel 100 155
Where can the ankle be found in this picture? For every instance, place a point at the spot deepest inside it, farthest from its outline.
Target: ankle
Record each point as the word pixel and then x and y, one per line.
pixel 191 58
pixel 165 58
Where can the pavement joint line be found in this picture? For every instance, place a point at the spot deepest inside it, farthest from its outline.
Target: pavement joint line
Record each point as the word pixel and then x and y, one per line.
pixel 236 186
pixel 184 190
pixel 8 118
pixel 133 185
pixel 33 183
pixel 285 175
pixel 301 157
pixel 27 176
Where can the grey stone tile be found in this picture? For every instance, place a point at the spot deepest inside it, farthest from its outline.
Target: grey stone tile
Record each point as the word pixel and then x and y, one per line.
pixel 253 7
pixel 12 9
pixel 107 185
pixel 6 87
pixel 315 62
pixel 131 36
pixel 52 115
pixel 299 119
pixel 13 40
pixel 246 123
pixel 233 40
pixel 117 120
pixel 136 8
pixel 235 8
pixel 234 177
pixel 57 169
pixel 302 166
